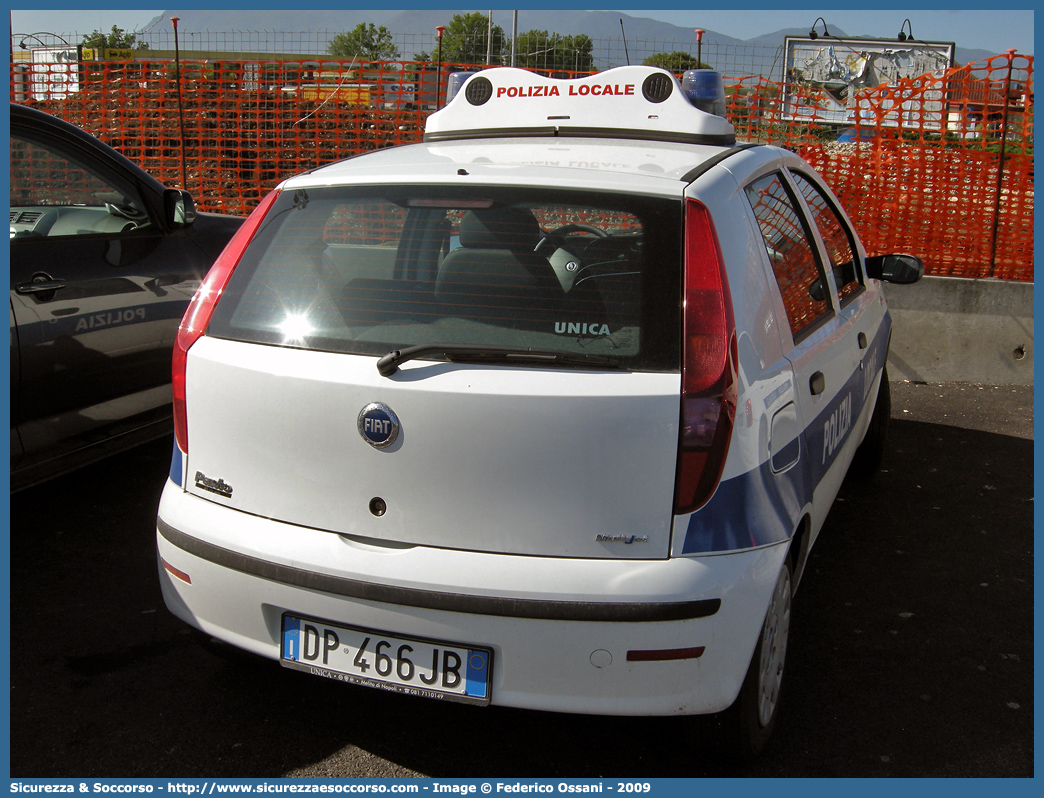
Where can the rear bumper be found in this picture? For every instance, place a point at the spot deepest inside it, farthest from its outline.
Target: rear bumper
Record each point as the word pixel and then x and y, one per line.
pixel 560 629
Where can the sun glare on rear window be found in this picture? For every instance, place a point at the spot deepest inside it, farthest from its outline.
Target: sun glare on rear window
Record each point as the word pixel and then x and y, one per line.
pixel 295 328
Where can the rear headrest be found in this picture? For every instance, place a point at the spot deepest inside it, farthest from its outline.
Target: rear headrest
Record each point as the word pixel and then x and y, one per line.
pixel 500 228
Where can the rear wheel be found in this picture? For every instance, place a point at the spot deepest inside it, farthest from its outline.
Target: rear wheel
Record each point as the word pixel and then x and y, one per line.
pixel 742 730
pixel 868 456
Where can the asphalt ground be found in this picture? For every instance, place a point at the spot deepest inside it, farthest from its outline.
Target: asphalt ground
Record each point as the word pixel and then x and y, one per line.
pixel 911 650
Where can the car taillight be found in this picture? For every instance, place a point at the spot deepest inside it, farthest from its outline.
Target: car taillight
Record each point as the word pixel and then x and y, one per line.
pixel 708 394
pixel 202 306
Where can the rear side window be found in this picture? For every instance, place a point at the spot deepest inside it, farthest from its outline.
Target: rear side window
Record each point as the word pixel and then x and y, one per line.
pixel 367 270
pixel 791 254
pixel 837 238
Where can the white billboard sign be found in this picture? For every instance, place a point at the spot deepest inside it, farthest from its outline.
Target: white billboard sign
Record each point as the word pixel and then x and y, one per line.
pixel 823 75
pixel 56 73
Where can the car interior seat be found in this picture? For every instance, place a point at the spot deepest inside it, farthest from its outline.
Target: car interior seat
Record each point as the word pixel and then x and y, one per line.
pixel 495 272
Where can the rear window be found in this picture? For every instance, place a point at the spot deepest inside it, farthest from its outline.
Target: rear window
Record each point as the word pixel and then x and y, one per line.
pixel 367 270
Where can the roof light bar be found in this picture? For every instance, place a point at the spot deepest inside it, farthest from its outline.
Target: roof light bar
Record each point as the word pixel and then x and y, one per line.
pixel 631 102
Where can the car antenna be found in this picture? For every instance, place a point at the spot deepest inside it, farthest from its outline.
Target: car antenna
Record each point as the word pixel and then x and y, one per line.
pixel 622 31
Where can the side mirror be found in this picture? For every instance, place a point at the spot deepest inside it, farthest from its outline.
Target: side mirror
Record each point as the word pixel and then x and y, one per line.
pixel 179 208
pixel 815 290
pixel 903 269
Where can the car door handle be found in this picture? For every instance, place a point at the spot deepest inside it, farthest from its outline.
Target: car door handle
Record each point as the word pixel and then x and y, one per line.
pixel 817 383
pixel 862 340
pixel 40 287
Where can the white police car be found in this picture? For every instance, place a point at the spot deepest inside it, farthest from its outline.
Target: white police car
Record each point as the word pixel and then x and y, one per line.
pixel 545 411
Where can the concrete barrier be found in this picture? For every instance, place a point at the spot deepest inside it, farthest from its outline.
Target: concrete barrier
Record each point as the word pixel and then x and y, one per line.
pixel 955 329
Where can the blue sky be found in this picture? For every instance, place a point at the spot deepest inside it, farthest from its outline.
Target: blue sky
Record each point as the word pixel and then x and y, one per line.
pixel 996 30
pixel 988 29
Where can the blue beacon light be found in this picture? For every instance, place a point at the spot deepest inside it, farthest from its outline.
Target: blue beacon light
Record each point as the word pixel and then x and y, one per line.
pixel 705 89
pixel 454 82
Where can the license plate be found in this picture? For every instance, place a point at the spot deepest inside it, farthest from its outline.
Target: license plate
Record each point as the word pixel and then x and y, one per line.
pixel 373 658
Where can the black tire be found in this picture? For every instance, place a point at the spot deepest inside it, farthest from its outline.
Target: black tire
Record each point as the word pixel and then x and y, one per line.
pixel 741 731
pixel 868 457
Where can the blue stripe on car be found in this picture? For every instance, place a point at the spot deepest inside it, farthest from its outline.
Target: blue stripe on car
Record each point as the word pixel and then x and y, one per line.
pixel 759 507
pixel 176 468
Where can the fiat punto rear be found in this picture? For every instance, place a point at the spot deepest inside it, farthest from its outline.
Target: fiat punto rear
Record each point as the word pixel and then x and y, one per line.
pixel 545 411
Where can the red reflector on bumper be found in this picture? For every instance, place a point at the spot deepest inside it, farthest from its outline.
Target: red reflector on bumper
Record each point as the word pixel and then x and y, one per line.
pixel 660 655
pixel 184 577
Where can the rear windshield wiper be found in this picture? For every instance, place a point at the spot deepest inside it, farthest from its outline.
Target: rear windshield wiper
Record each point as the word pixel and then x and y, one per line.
pixel 389 364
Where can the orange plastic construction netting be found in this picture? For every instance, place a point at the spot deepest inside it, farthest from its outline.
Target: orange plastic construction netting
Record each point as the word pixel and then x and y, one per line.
pixel 940 166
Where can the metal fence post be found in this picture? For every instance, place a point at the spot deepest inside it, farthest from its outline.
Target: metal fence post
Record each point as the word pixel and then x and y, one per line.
pixel 1000 164
pixel 438 75
pixel 181 116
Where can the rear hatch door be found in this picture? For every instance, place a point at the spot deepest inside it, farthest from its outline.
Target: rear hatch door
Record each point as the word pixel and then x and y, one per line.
pixel 486 458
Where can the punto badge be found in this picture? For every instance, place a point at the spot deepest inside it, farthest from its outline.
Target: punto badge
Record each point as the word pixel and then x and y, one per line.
pixel 378 425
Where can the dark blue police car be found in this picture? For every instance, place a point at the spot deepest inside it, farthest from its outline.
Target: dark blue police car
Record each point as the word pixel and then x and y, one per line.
pixel 104 261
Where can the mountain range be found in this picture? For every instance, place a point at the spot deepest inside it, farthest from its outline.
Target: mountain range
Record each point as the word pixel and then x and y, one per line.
pixel 599 25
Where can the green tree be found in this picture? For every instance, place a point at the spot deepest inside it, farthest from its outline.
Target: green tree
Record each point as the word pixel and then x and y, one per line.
pixel 676 62
pixel 118 39
pixel 365 42
pixel 466 37
pixel 537 49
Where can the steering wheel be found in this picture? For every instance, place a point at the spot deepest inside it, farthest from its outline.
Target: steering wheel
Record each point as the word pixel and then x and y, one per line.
pixel 555 236
pixel 577 227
